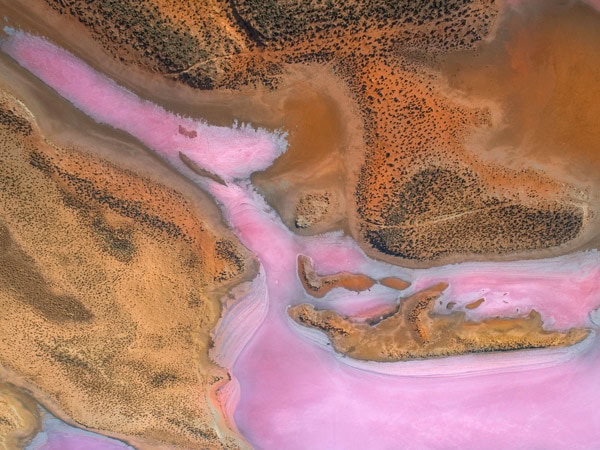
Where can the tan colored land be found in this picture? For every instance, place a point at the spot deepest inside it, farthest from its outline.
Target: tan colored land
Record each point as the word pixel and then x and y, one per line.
pixel 394 283
pixel 110 288
pixel 306 185
pixel 312 208
pixel 476 304
pixel 19 418
pixel 414 331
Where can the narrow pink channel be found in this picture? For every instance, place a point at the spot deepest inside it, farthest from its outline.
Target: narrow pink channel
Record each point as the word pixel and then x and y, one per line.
pixel 292 392
pixel 218 149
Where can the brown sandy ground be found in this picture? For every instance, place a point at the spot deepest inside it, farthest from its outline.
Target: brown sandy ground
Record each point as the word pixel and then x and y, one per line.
pixel 319 285
pixel 110 285
pixel 416 186
pixel 19 418
pixel 414 331
pixel 394 283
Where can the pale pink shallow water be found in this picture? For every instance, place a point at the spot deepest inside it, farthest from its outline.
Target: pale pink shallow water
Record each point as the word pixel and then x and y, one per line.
pixel 57 435
pixel 291 391
pixel 217 149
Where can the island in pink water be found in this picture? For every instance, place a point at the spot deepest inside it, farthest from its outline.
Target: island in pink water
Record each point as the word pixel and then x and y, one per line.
pixel 289 388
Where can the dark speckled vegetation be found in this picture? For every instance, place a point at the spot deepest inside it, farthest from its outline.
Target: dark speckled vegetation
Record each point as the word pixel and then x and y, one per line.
pixel 9 119
pixel 137 26
pixel 418 195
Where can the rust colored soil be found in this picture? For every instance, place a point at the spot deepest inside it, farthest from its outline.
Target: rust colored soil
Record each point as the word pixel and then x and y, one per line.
pixel 394 283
